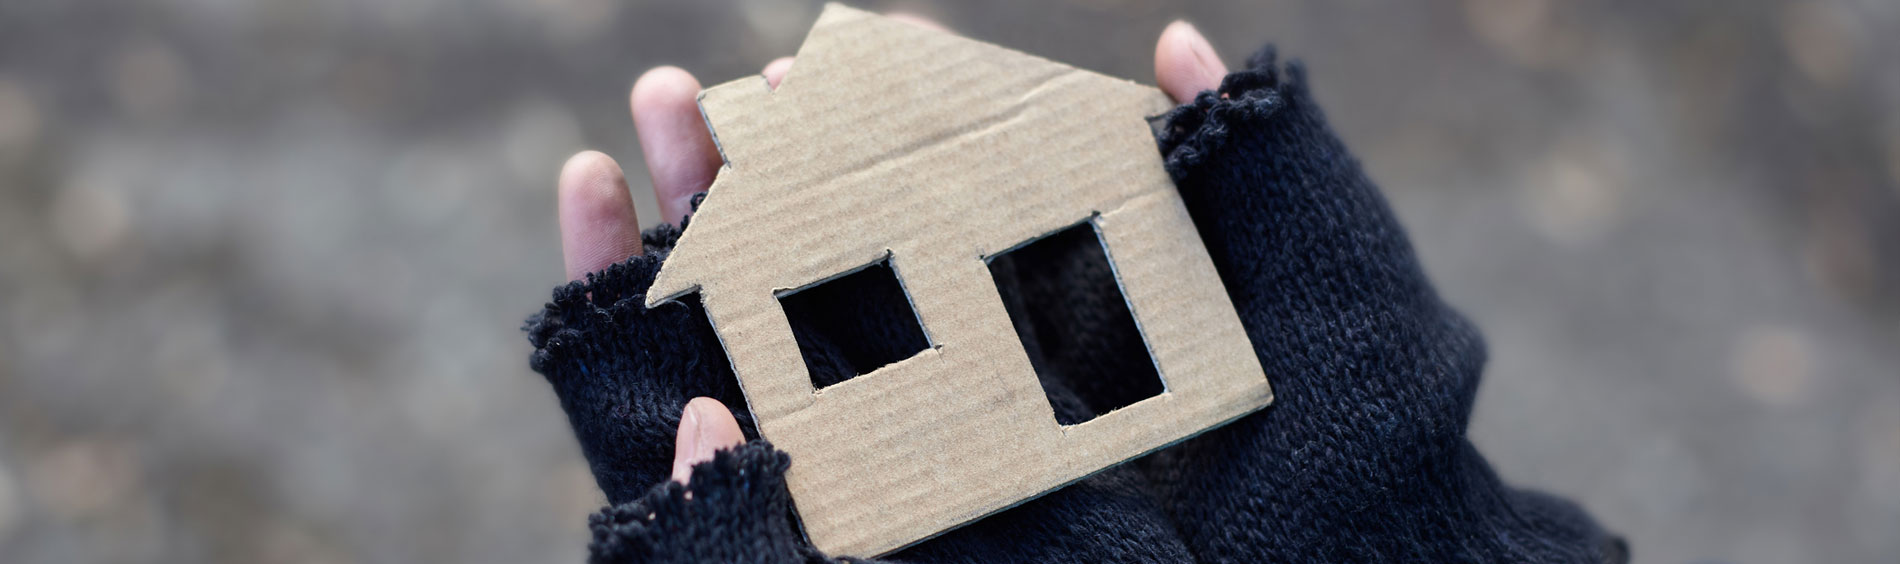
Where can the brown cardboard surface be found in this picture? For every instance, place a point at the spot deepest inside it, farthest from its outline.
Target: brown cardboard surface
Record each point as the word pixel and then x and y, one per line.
pixel 890 141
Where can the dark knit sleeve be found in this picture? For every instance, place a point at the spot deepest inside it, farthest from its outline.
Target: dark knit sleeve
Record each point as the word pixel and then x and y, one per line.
pixel 1363 455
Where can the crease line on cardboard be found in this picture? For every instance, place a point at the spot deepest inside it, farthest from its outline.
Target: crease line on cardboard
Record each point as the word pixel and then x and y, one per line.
pixel 901 156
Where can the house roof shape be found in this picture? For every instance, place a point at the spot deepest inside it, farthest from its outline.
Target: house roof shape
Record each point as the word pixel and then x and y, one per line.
pixel 879 119
pixel 891 142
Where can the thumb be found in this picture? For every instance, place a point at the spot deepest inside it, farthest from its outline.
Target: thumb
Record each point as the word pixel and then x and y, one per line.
pixel 706 427
pixel 1185 63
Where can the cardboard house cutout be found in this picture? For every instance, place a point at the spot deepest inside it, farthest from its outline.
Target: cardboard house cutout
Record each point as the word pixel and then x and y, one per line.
pixel 897 146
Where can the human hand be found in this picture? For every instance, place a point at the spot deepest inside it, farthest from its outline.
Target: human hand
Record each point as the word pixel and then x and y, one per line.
pixel 599 228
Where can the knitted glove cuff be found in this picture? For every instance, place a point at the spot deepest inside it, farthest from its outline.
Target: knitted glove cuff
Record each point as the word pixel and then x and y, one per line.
pixel 735 510
pixel 1192 131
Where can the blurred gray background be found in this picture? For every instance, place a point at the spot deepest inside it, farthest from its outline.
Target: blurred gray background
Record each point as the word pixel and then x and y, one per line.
pixel 262 264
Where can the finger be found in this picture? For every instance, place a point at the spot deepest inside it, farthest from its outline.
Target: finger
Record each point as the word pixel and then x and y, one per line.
pixel 679 151
pixel 1185 63
pixel 706 427
pixel 918 21
pixel 775 70
pixel 598 227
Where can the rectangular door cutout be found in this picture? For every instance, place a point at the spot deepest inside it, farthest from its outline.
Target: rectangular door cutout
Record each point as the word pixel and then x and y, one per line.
pixel 1069 311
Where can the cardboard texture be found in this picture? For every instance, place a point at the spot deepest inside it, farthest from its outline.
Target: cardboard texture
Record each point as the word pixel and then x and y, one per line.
pixel 892 142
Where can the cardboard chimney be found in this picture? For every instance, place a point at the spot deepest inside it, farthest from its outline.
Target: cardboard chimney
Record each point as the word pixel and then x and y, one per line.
pixel 929 154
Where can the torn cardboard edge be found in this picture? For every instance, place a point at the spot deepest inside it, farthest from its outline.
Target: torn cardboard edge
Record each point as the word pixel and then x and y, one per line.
pixel 888 142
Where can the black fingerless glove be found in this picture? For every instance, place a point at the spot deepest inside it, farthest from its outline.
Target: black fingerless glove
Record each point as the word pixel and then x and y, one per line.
pixel 1362 457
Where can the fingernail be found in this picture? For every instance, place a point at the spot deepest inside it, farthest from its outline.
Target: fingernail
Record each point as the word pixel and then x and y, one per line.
pixel 701 451
pixel 686 445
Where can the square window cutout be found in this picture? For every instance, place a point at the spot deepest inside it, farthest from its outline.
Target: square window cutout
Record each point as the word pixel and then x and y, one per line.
pixel 1069 311
pixel 853 324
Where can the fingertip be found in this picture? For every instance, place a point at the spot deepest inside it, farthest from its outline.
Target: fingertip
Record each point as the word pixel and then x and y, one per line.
pixel 663 87
pixel 706 427
pixel 591 189
pixel 685 444
pixel 718 430
pixel 583 167
pixel 598 225
pixel 680 155
pixel 662 99
pixel 1185 63
pixel 775 71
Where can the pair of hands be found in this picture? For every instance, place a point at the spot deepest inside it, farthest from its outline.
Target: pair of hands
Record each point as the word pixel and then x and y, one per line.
pixel 599 228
